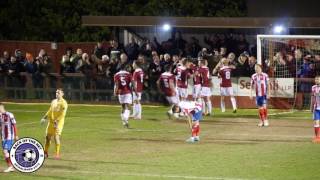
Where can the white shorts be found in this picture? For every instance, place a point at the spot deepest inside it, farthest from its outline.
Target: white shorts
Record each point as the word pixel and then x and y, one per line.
pixel 196 91
pixel 205 91
pixel 136 96
pixel 172 99
pixel 226 91
pixel 183 92
pixel 125 99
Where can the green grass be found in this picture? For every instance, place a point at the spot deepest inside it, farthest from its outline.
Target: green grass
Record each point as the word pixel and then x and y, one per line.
pixel 95 146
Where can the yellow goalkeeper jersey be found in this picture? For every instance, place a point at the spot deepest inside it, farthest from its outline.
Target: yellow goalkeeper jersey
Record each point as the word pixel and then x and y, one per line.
pixel 57 111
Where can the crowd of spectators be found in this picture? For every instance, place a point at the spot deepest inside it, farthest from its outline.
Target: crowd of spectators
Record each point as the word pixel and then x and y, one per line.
pixel 99 66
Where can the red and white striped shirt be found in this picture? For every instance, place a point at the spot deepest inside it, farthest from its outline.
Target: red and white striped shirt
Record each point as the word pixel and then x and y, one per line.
pixel 260 82
pixel 190 106
pixel 8 126
pixel 316 97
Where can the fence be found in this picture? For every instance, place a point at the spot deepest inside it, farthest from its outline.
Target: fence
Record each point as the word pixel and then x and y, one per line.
pixel 99 89
pixel 77 87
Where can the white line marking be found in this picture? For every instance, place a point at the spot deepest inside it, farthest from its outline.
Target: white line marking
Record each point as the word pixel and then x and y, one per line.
pixel 174 176
pixel 266 135
pixel 171 176
pixel 287 112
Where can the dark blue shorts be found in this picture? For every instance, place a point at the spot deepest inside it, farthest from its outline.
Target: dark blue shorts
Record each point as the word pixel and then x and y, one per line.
pixel 316 115
pixel 261 100
pixel 197 116
pixel 7 144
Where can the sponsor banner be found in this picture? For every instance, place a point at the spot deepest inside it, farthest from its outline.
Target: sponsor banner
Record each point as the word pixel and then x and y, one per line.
pixel 280 87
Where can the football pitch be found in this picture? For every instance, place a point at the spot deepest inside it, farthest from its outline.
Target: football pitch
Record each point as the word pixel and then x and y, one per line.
pixel 232 147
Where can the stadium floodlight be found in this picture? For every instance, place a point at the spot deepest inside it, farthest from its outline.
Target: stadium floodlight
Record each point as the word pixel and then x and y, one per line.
pixel 166 27
pixel 279 29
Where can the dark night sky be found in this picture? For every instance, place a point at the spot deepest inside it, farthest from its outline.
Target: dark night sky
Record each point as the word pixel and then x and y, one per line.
pixel 283 8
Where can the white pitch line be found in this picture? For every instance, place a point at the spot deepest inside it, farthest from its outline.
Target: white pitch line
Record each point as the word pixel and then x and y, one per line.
pixel 34 122
pixel 266 135
pixel 287 112
pixel 174 176
pixel 171 176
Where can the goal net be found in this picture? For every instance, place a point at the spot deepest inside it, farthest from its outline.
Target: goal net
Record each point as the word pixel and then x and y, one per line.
pixel 292 62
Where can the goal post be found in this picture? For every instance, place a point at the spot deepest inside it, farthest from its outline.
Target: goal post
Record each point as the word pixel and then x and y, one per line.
pixel 289 60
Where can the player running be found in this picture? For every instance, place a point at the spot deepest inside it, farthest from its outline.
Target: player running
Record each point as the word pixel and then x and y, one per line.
pixel 182 75
pixel 137 81
pixel 55 116
pixel 226 85
pixel 166 84
pixel 206 85
pixel 9 134
pixel 260 83
pixel 315 108
pixel 122 89
pixel 193 110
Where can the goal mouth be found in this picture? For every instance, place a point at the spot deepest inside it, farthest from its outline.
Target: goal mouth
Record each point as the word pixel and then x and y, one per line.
pixel 296 58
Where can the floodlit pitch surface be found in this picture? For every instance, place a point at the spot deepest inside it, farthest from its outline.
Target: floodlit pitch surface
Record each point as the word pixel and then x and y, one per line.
pixel 232 147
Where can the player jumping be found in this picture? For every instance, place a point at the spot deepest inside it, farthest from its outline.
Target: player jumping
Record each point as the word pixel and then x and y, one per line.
pixel 8 134
pixel 260 82
pixel 166 84
pixel 315 108
pixel 226 85
pixel 137 81
pixel 193 110
pixel 122 89
pixel 55 116
pixel 206 85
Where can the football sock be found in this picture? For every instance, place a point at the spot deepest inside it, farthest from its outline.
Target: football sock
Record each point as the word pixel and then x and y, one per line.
pixel 261 114
pixel 233 102
pixel 265 113
pixel 46 146
pixel 126 115
pixel 198 130
pixel 134 110
pixel 139 108
pixel 194 130
pixel 209 106
pixel 8 161
pixel 57 149
pixel 316 130
pixel 223 108
pixel 203 106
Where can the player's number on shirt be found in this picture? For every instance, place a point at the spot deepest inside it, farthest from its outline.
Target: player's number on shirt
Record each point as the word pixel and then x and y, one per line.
pixel 123 81
pixel 141 78
pixel 179 75
pixel 228 75
pixel 166 83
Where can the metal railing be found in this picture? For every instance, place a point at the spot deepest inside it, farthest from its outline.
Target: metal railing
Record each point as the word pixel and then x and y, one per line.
pixel 77 87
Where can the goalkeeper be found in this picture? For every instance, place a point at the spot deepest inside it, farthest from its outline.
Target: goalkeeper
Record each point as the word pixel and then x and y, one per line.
pixel 55 117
